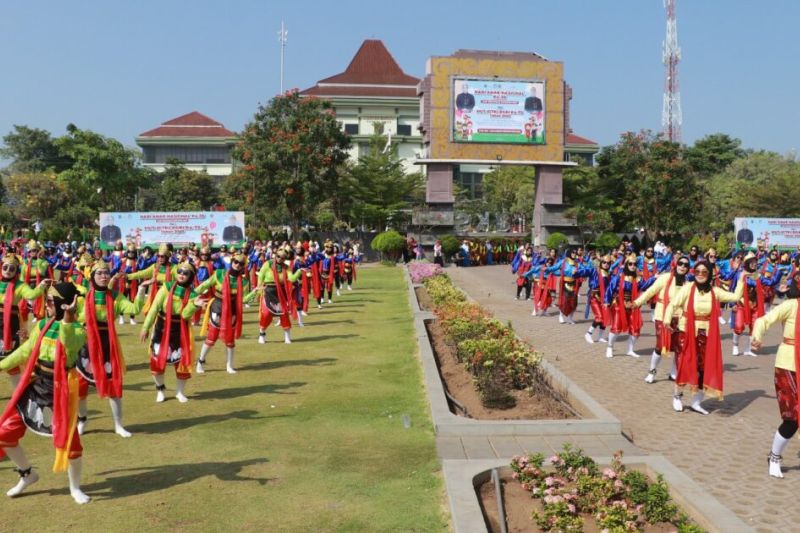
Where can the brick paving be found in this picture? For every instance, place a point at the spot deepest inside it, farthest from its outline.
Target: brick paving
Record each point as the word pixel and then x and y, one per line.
pixel 725 452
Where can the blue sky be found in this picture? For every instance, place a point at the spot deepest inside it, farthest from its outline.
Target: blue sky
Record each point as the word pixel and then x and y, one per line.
pixel 121 68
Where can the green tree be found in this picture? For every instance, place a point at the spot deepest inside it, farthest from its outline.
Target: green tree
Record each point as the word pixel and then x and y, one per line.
pixel 510 190
pixel 182 189
pixel 37 195
pixel 291 149
pixel 378 187
pixel 714 153
pixel 760 184
pixel 650 180
pixel 104 174
pixel 32 150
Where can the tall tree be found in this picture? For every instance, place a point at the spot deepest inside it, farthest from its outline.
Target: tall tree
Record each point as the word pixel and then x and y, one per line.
pixel 182 189
pixel 291 149
pixel 649 178
pixel 713 153
pixel 509 190
pixel 378 185
pixel 37 195
pixel 32 150
pixel 104 173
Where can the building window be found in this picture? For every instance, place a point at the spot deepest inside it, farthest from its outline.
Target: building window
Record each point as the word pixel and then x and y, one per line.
pixel 188 154
pixel 471 183
pixel 404 129
pixel 351 129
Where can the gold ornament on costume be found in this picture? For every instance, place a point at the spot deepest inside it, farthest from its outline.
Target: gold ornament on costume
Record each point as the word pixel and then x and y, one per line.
pixel 33 245
pixel 186 265
pixel 164 250
pixel 11 259
pixel 100 264
pixel 85 260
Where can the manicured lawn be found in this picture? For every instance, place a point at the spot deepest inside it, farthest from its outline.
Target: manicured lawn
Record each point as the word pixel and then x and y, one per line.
pixel 306 437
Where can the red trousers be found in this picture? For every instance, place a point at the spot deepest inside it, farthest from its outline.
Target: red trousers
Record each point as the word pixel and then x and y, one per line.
pixel 675 337
pixel 634 326
pixel 213 335
pixel 13 429
pixel 786 392
pixel 739 322
pixel 568 301
pixel 267 318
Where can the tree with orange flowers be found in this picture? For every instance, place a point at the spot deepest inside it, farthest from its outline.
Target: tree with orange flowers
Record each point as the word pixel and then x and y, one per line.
pixel 290 151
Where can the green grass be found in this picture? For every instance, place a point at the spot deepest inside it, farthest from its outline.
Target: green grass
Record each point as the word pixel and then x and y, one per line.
pixel 306 437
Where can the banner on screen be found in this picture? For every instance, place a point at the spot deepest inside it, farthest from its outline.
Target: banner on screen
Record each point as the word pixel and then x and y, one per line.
pixel 780 232
pixel 208 228
pixel 497 111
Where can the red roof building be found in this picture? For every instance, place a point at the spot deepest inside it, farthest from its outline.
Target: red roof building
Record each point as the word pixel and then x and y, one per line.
pixel 374 95
pixel 195 140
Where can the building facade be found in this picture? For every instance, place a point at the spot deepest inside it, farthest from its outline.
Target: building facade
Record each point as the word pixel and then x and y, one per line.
pixel 374 95
pixel 195 140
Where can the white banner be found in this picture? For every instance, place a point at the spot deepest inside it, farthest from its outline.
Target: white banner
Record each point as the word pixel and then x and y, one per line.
pixel 207 228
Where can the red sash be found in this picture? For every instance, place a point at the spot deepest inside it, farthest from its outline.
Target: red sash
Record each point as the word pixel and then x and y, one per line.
pixel 797 352
pixel 105 388
pixel 185 364
pixel 666 334
pixel 8 306
pixel 225 319
pixel 316 283
pixel 747 312
pixel 280 287
pixel 712 366
pixel 38 303
pixel 62 425
pixel 635 323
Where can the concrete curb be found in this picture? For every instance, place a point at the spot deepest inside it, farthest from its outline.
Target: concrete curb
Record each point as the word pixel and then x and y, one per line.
pixel 597 420
pixel 462 477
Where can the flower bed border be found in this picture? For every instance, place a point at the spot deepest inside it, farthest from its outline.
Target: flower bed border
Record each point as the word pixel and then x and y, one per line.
pixel 462 482
pixel 596 419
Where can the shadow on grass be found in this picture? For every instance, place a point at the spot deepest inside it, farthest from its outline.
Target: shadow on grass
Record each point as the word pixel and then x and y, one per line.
pixel 272 365
pixel 235 392
pixel 326 322
pixel 325 337
pixel 136 481
pixel 166 426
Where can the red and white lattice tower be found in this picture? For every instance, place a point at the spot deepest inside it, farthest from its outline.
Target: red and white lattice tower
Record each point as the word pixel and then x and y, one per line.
pixel 671 115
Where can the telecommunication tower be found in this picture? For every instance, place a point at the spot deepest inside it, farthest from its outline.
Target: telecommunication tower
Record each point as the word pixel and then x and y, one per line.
pixel 671 115
pixel 283 35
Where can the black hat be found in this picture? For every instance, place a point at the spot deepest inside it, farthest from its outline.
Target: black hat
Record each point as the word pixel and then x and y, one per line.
pixel 63 293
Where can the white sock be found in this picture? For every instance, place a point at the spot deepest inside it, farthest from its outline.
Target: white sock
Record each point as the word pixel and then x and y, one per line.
pixel 116 414
pixel 17 456
pixel 83 410
pixel 159 379
pixel 180 387
pixel 654 360
pixel 286 337
pixel 591 330
pixel 778 443
pixel 229 360
pixel 75 467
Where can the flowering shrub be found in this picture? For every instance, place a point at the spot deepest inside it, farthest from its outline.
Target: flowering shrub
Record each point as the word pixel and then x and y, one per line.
pixel 487 347
pixel 618 500
pixel 441 290
pixel 422 270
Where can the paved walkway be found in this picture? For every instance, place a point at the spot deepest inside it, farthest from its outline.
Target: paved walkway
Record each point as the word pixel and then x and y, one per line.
pixel 725 451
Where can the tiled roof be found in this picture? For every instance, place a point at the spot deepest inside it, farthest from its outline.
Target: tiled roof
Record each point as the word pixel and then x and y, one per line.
pixel 577 139
pixel 371 67
pixel 355 91
pixel 192 124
